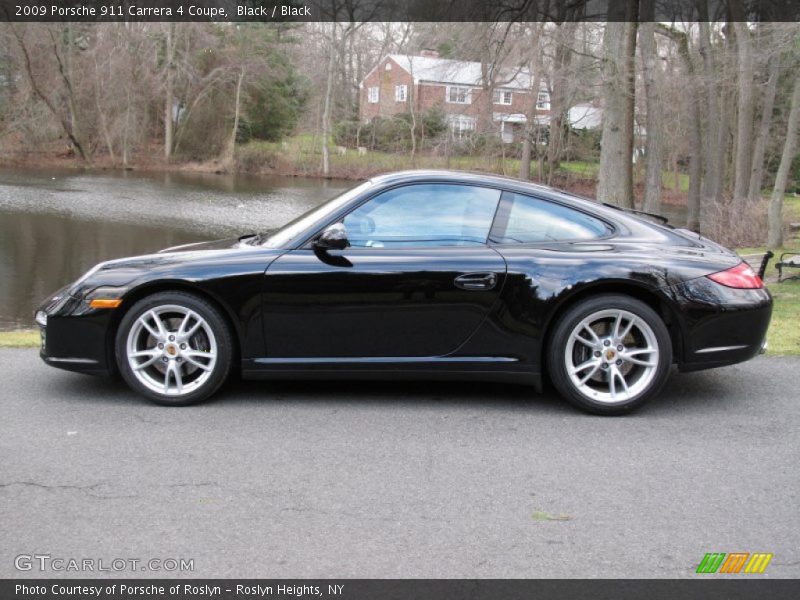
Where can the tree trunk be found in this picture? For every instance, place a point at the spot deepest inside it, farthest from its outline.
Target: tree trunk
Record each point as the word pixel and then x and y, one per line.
pixel 326 111
pixel 125 132
pixel 744 120
pixel 168 100
pixel 101 115
pixel 696 150
pixel 653 148
pixel 558 98
pixel 525 159
pixel 231 154
pixel 615 178
pixel 767 104
pixel 530 122
pixel 775 235
pixel 695 135
pixel 411 99
pixel 73 116
pixel 712 183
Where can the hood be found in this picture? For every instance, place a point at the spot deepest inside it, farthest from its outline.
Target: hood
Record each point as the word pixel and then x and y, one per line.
pixel 191 262
pixel 223 244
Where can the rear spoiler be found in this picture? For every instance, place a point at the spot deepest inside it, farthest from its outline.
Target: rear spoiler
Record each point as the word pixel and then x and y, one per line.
pixel 660 218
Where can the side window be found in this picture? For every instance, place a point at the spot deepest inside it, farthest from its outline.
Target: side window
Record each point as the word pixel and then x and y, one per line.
pixel 530 220
pixel 424 215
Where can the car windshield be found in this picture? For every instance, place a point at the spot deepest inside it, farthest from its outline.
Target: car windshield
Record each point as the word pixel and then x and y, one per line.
pixel 294 228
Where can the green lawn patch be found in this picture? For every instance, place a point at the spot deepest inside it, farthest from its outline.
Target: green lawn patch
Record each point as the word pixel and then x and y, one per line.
pixel 784 330
pixel 26 338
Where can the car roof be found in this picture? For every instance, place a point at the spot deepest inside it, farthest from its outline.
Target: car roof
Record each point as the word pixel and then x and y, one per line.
pixel 449 175
pixel 477 178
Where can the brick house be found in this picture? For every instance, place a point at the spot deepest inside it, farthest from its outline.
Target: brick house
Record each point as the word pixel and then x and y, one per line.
pixel 458 87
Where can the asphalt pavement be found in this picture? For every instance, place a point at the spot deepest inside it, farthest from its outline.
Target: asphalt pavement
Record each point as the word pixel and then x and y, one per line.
pixel 389 480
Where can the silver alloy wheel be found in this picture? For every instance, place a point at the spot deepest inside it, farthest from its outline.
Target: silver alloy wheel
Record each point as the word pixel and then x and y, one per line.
pixel 171 350
pixel 611 356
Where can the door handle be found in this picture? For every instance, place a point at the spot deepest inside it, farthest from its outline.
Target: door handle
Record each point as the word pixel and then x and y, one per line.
pixel 476 281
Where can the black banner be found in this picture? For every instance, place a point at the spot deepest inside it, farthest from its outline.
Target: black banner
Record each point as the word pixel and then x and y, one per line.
pixel 399 10
pixel 396 589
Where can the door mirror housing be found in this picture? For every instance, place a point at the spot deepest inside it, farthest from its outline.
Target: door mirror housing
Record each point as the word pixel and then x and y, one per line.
pixel 333 237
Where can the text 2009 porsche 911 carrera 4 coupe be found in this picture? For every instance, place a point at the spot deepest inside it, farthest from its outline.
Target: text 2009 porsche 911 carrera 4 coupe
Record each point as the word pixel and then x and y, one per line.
pixel 421 275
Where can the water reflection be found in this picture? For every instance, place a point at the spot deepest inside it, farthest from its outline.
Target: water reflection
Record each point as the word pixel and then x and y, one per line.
pixel 55 224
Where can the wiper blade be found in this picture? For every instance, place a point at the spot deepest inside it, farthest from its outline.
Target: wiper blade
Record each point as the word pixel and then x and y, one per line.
pixel 635 211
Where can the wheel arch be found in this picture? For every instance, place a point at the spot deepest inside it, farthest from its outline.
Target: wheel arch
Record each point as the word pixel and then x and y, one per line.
pixel 623 287
pixel 171 285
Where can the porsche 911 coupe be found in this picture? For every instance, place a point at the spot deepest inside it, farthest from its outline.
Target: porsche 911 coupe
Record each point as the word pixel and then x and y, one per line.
pixel 415 275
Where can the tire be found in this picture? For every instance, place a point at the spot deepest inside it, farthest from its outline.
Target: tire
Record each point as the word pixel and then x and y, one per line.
pixel 180 362
pixel 609 354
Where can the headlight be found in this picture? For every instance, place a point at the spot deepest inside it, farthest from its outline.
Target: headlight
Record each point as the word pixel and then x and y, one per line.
pixel 75 286
pixel 41 318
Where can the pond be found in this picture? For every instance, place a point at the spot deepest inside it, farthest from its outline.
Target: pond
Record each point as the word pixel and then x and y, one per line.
pixel 56 224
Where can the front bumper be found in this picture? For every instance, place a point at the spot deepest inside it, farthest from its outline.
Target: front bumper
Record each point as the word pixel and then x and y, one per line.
pixel 75 336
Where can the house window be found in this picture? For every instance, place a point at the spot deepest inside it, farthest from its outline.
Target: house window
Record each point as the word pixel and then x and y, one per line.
pixel 502 97
pixel 543 101
pixel 461 125
pixel 400 93
pixel 459 95
pixel 373 94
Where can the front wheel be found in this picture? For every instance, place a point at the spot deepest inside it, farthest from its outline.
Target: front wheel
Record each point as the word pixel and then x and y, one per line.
pixel 174 348
pixel 609 354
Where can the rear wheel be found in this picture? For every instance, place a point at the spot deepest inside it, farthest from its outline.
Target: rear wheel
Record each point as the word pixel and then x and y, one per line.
pixel 610 354
pixel 174 348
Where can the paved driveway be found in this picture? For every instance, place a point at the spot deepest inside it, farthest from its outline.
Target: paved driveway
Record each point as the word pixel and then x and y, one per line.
pixel 400 480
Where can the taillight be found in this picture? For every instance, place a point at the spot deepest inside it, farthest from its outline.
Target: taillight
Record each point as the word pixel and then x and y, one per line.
pixel 741 276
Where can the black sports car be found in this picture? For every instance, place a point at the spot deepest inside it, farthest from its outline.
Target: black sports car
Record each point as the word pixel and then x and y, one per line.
pixel 421 275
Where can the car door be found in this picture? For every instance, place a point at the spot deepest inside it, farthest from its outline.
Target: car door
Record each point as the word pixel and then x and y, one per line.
pixel 417 280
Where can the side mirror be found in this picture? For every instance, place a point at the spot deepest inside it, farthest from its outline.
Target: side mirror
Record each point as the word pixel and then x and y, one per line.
pixel 333 237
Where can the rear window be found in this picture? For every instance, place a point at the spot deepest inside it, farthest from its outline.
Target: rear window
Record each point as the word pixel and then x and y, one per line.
pixel 528 220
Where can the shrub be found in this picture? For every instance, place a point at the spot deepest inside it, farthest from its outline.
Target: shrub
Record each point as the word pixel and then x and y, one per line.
pixel 391 134
pixel 737 228
pixel 255 157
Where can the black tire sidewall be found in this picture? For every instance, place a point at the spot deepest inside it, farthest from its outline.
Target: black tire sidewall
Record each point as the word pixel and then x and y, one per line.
pixel 558 369
pixel 215 321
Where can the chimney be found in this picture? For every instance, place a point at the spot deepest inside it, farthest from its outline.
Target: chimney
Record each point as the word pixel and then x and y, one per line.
pixel 429 53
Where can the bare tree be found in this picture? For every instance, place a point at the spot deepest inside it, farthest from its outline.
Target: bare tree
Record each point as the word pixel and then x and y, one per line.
pixel 690 91
pixel 767 105
pixel 66 121
pixel 775 235
pixel 653 148
pixel 169 101
pixel 559 82
pixel 237 103
pixel 744 119
pixel 326 111
pixel 615 177
pixel 535 62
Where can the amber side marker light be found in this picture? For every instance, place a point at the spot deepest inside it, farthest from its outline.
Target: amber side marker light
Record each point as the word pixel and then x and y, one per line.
pixel 104 303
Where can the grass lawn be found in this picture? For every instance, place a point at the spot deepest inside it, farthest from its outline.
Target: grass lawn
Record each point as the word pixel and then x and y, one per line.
pixel 784 330
pixel 26 338
pixel 587 170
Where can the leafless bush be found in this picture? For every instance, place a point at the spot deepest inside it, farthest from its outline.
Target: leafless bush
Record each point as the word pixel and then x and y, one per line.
pixel 737 227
